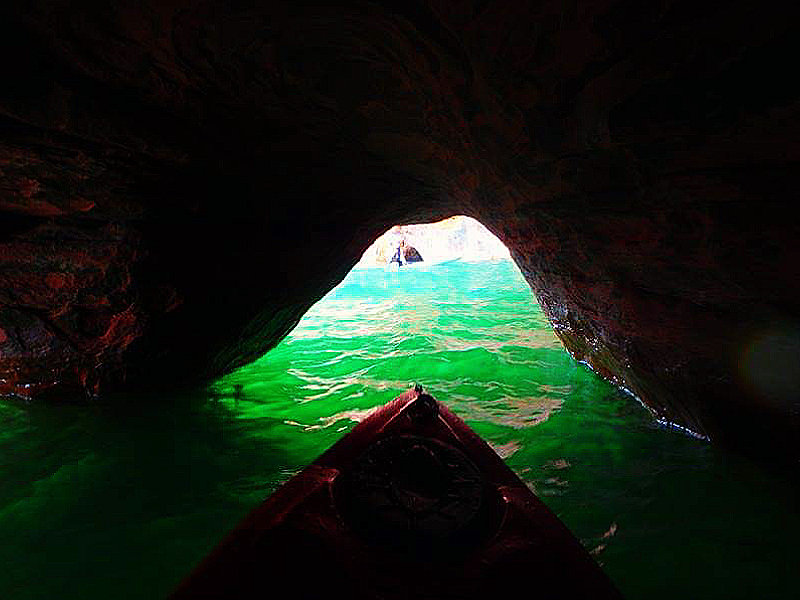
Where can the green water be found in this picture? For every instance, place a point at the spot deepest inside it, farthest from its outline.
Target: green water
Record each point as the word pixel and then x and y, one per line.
pixel 120 499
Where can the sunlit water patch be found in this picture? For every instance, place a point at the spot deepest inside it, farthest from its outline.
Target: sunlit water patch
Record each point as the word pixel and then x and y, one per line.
pixel 121 499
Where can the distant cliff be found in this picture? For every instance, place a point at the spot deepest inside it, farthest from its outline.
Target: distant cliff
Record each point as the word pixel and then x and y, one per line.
pixel 456 237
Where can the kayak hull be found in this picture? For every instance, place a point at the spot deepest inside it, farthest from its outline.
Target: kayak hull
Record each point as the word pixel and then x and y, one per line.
pixel 411 503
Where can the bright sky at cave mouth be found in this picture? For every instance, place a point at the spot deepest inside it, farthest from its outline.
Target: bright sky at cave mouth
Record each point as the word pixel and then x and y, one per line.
pixel 457 237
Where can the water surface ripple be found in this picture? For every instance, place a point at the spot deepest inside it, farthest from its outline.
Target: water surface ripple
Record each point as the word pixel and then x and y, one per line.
pixel 121 499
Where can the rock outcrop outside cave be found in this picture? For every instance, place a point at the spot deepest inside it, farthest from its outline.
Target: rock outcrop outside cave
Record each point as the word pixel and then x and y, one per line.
pixel 638 159
pixel 411 255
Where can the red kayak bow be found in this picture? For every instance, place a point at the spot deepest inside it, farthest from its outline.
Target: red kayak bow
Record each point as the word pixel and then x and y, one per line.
pixel 410 504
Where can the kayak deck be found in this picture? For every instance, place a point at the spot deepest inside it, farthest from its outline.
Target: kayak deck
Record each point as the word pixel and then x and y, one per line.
pixel 410 504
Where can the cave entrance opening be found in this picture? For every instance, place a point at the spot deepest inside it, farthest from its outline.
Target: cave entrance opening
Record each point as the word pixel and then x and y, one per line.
pixel 460 320
pixel 473 335
pixel 458 238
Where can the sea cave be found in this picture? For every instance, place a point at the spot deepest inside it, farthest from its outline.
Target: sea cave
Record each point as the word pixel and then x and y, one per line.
pixel 180 184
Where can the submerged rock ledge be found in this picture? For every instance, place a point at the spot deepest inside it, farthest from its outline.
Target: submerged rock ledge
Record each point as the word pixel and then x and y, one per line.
pixel 179 185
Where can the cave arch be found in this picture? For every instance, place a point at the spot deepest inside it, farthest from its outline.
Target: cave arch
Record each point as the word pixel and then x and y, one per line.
pixel 162 166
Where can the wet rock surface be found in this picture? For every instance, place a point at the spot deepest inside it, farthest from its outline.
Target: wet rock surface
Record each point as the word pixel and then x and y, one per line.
pixel 179 184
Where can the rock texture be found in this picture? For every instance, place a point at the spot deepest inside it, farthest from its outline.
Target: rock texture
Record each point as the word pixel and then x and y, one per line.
pixel 179 182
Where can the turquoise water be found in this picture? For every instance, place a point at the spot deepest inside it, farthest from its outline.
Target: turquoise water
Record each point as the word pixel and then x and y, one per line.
pixel 120 499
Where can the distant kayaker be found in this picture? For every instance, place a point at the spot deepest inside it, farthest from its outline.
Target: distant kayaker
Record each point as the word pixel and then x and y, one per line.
pixel 398 254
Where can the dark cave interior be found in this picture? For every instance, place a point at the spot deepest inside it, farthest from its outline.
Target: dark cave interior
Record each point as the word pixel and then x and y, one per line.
pixel 159 161
pixel 637 159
